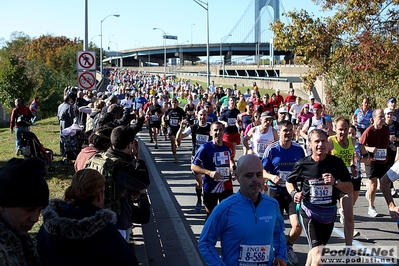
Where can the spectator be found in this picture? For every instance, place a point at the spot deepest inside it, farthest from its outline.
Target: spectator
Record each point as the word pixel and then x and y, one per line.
pixel 76 231
pixel 98 141
pixel 21 120
pixel 23 194
pixel 33 107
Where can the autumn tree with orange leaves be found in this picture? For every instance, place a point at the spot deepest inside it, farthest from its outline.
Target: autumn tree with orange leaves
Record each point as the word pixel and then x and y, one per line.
pixel 355 50
pixel 38 67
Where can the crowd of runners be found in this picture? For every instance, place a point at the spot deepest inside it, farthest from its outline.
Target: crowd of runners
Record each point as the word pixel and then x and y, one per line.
pixel 308 158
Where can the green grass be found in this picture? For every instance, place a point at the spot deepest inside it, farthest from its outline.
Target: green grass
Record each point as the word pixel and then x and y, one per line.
pixel 47 131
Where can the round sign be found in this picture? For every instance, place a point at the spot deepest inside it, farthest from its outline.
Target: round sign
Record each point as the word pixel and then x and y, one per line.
pixel 86 80
pixel 86 60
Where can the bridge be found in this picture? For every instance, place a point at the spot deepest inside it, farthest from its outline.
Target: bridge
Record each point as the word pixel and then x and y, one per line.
pixel 250 37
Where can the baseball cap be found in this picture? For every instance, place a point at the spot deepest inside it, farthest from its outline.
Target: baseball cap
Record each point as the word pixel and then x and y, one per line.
pixel 317 106
pixel 388 110
pixel 306 105
pixel 311 97
pixel 282 110
pixel 277 90
pixel 208 104
pixel 392 99
pixel 266 114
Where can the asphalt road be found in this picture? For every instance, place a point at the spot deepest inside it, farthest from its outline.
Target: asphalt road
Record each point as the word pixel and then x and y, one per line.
pixel 171 236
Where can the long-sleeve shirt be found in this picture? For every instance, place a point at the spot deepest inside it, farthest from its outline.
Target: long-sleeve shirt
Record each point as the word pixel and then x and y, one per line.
pixel 242 228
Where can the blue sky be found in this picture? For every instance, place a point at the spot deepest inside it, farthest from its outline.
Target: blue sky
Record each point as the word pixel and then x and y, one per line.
pixel 134 27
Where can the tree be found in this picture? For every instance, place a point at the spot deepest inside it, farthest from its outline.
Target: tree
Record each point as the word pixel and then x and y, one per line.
pixel 354 50
pixel 39 67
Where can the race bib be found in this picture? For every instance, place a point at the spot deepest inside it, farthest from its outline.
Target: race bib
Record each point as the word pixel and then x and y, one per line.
pixel 174 122
pixel 262 146
pixel 380 155
pixel 224 172
pixel 283 175
pixel 320 193
pixel 201 139
pixel 362 126
pixel 254 255
pixel 154 118
pixel 231 121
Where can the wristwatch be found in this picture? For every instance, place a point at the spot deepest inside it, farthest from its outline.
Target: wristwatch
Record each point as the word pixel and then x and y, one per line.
pixel 336 182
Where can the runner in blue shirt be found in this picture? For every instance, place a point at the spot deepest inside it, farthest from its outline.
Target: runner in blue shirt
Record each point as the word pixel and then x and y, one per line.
pixel 278 161
pixel 213 161
pixel 248 224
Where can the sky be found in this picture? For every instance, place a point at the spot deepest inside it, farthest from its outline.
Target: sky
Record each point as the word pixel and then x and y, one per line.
pixel 134 27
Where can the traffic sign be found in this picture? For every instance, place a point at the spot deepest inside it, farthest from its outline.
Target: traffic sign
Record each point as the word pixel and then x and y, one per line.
pixel 86 60
pixel 87 80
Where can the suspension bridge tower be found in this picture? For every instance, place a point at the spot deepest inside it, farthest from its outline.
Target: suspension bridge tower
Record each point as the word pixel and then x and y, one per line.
pixel 259 4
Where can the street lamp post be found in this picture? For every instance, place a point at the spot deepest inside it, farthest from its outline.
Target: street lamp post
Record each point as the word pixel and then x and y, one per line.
pixel 101 42
pixel 164 49
pixel 223 39
pixel 205 6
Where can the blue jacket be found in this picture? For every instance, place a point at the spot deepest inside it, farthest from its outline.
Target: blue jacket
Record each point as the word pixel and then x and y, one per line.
pixel 236 221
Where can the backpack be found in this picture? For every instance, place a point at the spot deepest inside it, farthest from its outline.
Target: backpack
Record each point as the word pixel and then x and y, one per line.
pixel 136 180
pixel 105 166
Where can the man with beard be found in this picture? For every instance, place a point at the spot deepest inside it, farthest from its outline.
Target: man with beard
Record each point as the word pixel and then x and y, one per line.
pixel 213 160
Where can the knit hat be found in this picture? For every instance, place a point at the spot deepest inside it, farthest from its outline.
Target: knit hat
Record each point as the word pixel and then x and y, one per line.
pixel 22 183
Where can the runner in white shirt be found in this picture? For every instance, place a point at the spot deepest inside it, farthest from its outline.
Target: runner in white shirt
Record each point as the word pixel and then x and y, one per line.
pixel 261 136
pixel 391 175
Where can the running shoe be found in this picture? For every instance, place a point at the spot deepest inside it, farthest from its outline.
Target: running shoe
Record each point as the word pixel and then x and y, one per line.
pixel 198 207
pixel 176 160
pixel 372 212
pixel 341 215
pixel 356 233
pixel 151 141
pixel 156 147
pixel 292 258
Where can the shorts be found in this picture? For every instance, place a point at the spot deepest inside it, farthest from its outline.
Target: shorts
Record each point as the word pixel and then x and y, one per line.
pixel 316 233
pixel 376 170
pixel 232 137
pixel 284 200
pixel 393 172
pixel 172 131
pixel 155 124
pixel 356 183
pixel 294 121
pixel 211 199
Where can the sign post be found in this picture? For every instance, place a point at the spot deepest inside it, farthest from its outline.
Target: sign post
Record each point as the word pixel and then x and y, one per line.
pixel 86 66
